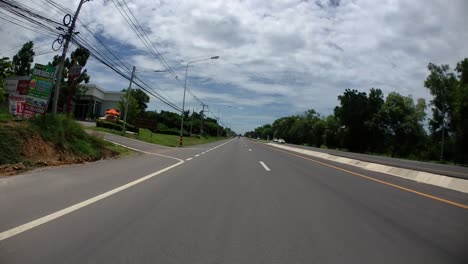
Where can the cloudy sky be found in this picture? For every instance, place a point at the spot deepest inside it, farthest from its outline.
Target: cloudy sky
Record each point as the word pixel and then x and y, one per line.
pixel 277 58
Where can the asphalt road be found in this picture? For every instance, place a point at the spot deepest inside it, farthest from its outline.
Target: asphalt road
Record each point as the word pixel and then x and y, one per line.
pixel 442 169
pixel 240 202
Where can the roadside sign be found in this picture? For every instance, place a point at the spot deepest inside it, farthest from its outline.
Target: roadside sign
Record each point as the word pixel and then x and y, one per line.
pixel 39 90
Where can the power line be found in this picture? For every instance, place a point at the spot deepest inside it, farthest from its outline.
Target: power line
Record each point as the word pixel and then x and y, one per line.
pixel 139 31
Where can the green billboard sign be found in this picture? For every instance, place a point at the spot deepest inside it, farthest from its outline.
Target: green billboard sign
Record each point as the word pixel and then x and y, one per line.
pixel 39 90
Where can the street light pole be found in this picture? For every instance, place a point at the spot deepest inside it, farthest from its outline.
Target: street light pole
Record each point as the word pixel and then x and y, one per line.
pixel 183 100
pixel 202 117
pixel 68 37
pixel 191 122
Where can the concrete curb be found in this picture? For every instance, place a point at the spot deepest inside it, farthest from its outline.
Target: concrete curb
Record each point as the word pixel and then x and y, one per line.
pixel 456 184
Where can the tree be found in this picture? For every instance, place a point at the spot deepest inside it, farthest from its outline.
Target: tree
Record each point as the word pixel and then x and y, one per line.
pixel 133 108
pixel 141 97
pixel 460 118
pixel 23 59
pixel 449 109
pixel 373 124
pixel 6 69
pixel 332 132
pixel 79 57
pixel 402 122
pixel 352 114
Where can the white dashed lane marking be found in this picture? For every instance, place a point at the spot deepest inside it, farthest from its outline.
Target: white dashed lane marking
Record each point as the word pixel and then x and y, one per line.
pixel 265 166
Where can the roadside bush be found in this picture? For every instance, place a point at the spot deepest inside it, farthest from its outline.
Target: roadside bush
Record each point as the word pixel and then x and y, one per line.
pixel 172 131
pixel 118 127
pixel 109 125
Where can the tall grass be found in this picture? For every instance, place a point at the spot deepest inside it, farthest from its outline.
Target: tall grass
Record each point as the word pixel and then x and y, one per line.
pixel 9 145
pixel 66 134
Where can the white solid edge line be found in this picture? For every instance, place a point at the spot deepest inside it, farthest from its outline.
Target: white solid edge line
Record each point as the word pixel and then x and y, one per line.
pixel 136 140
pixel 22 228
pixel 189 159
pixel 32 224
pixel 265 166
pixel 142 151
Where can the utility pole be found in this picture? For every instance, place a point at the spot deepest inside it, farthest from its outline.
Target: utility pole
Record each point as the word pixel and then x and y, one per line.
pixel 128 99
pixel 191 123
pixel 68 37
pixel 202 117
pixel 217 123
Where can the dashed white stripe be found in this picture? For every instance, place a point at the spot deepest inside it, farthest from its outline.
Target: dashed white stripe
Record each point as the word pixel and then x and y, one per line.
pixel 250 150
pixel 189 159
pixel 197 155
pixel 265 166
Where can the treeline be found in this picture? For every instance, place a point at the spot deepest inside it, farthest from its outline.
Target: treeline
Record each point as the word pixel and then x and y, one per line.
pixel 167 122
pixel 393 125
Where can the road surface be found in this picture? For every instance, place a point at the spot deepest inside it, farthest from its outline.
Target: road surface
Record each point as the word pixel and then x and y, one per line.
pixel 234 201
pixel 442 169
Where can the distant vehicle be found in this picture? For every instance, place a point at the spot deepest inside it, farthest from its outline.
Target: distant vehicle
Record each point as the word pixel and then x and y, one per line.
pixel 281 141
pixel 275 140
pixel 258 138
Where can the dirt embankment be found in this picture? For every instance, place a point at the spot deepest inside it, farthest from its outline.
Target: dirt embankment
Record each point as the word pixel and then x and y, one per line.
pixel 25 148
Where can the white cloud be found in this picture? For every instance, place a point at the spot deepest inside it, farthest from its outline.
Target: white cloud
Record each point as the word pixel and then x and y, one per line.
pixel 277 57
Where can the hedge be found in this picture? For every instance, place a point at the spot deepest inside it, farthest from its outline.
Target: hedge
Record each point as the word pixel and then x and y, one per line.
pixel 115 126
pixel 171 131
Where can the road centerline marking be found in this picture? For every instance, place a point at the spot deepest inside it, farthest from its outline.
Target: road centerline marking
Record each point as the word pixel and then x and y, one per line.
pixel 198 155
pixel 189 159
pixel 264 166
pixel 250 149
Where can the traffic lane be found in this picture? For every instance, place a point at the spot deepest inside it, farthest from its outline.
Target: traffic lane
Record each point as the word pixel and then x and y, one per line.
pixel 451 195
pixel 225 208
pixel 449 170
pixel 129 226
pixel 26 197
pixel 414 220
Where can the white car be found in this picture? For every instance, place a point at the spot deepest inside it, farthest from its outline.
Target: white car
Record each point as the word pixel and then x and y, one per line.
pixel 275 140
pixel 281 141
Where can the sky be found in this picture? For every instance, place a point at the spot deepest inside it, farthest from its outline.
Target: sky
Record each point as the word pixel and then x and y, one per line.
pixel 277 58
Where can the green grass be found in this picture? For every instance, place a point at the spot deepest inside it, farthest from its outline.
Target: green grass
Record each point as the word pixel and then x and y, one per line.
pixel 161 139
pixel 122 151
pixel 67 134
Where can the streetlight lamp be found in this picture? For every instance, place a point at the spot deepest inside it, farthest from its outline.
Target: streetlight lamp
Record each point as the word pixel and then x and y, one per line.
pixel 183 101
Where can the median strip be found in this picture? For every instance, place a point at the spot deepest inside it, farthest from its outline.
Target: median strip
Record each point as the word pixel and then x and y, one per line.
pixel 451 183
